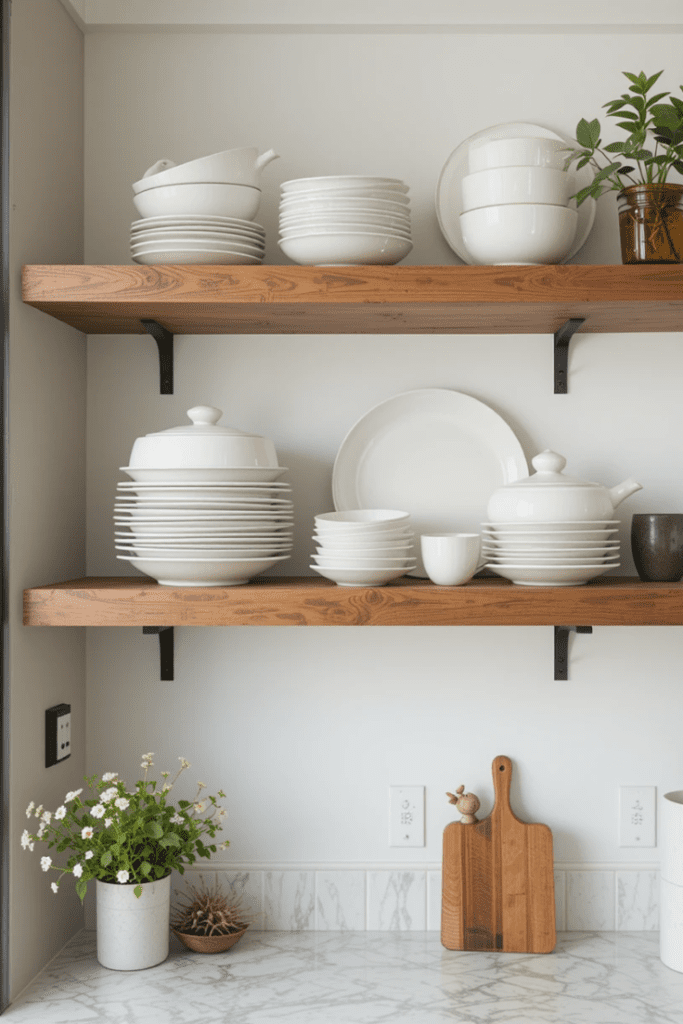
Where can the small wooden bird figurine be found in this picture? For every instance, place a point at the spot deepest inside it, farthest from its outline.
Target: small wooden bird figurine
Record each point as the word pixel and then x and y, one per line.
pixel 467 803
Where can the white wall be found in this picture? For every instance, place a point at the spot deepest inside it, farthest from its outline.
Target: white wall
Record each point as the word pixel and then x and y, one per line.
pixel 46 455
pixel 305 729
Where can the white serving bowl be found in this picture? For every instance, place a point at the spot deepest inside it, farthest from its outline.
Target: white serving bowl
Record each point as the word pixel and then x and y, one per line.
pixel 202 443
pixel 362 519
pixel 499 186
pixel 336 181
pixel 550 576
pixel 346 577
pixel 235 166
pixel 523 152
pixel 351 192
pixel 207 474
pixel 197 572
pixel 323 203
pixel 521 234
pixel 200 199
pixel 346 249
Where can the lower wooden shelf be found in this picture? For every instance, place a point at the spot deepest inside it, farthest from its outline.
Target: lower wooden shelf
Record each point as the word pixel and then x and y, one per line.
pixel 311 601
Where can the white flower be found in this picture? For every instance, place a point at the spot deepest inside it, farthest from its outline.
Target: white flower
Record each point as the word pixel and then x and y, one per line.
pixel 122 877
pixel 89 854
pixel 200 806
pixel 184 763
pixel 108 795
pixel 26 839
pixel 41 831
pixel 202 785
pixel 122 803
pixel 46 817
pixel 107 822
pixel 166 788
pixel 148 757
pixel 221 812
pixel 60 812
pixel 77 870
pixel 29 809
pixel 224 845
pixel 88 832
pixel 54 887
pixel 109 776
pixel 72 795
pixel 45 863
pixel 39 810
pixel 176 819
pixel 97 811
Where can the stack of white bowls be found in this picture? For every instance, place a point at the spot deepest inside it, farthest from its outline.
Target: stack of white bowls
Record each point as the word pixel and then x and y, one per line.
pixel 363 547
pixel 205 506
pixel 516 202
pixel 201 211
pixel 343 220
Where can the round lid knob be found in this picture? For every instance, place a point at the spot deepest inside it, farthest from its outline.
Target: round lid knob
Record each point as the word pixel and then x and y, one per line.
pixel 548 462
pixel 204 415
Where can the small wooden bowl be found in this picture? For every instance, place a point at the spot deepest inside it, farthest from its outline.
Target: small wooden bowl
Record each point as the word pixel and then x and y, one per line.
pixel 209 943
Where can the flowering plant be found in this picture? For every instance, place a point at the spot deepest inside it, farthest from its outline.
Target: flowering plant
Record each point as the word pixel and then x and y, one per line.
pixel 126 836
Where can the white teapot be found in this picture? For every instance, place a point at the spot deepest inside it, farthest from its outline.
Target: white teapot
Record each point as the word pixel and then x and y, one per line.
pixel 550 496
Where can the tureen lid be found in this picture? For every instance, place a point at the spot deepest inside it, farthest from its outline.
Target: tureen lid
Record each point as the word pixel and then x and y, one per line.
pixel 549 466
pixel 204 421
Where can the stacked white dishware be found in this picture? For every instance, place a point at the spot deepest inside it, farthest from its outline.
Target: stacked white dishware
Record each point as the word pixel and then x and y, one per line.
pixel 201 211
pixel 551 529
pixel 342 220
pixel 205 505
pixel 516 202
pixel 363 547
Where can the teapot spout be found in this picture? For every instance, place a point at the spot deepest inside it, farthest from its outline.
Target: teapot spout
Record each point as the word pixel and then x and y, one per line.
pixel 265 158
pixel 624 490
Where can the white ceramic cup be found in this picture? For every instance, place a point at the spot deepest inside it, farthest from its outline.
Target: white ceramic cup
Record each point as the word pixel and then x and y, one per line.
pixel 451 558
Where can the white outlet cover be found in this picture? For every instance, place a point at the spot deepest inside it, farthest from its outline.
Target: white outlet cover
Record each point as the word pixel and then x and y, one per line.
pixel 637 826
pixel 406 815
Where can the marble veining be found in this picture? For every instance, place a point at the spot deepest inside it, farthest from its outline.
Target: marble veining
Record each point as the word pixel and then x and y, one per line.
pixel 354 977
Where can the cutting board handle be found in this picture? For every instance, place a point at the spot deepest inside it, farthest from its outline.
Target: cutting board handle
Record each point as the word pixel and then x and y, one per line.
pixel 501 770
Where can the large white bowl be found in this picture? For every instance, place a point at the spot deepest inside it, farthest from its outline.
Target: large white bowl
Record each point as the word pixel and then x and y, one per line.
pixel 202 443
pixel 196 572
pixel 201 199
pixel 321 202
pixel 346 577
pixel 352 192
pixel 501 185
pixel 336 181
pixel 235 166
pixel 346 248
pixel 523 152
pixel 522 234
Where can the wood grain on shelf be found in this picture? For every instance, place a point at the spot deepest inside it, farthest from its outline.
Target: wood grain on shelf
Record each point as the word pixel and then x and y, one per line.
pixel 358 300
pixel 309 601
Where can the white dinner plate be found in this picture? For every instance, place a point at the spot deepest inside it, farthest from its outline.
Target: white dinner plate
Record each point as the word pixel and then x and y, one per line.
pixel 204 487
pixel 203 256
pixel 171 219
pixel 449 186
pixel 197 242
pixel 434 453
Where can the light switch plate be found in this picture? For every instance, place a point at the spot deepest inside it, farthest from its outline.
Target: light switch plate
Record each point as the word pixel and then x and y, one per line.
pixel 57 734
pixel 406 815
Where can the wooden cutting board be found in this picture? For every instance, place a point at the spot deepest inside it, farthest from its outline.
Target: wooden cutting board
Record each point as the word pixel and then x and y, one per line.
pixel 498 889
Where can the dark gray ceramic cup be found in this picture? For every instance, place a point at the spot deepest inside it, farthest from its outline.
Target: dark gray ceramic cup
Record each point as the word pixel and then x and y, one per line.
pixel 657 546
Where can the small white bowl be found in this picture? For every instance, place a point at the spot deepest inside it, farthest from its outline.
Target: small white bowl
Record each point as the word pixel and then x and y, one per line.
pixel 200 199
pixel 335 181
pixel 519 235
pixel 501 185
pixel 362 519
pixel 524 152
pixel 341 249
pixel 360 577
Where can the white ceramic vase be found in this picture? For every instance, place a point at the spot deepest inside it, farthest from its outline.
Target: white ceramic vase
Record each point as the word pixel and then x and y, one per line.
pixel 671 882
pixel 133 933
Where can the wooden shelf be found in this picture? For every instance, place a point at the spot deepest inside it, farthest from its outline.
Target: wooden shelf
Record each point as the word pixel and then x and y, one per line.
pixel 310 601
pixel 358 300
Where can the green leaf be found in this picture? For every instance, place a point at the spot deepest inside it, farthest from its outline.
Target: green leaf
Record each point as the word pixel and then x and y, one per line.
pixel 677 104
pixel 631 77
pixel 159 871
pixel 625 113
pixel 81 888
pixel 626 170
pixel 106 859
pixel 154 830
pixel 170 840
pixel 588 134
pixel 605 172
pixel 651 81
pixel 137 891
pixel 626 125
pixel 615 147
pixel 655 99
pixel 678 166
pixel 145 868
pixel 666 115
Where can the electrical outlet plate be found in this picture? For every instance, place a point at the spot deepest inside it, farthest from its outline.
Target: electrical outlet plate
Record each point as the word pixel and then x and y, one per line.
pixel 406 815
pixel 57 734
pixel 637 815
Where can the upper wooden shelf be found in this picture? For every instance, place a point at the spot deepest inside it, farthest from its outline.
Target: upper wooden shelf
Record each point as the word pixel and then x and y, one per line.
pixel 310 601
pixel 358 300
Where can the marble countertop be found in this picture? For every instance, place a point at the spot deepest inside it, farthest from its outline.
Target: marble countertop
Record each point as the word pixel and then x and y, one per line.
pixel 364 978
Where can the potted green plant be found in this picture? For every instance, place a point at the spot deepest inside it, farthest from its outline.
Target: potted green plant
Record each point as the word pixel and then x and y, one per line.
pixel 638 169
pixel 129 841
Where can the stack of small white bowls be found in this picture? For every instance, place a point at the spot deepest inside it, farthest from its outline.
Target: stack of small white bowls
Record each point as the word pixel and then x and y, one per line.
pixel 201 211
pixel 363 547
pixel 343 220
pixel 205 506
pixel 516 202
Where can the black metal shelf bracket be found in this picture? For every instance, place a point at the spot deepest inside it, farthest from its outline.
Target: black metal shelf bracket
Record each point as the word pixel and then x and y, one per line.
pixel 563 335
pixel 164 340
pixel 165 634
pixel 562 648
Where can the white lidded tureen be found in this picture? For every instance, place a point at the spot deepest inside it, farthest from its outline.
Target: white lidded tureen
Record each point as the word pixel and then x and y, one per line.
pixel 550 496
pixel 202 443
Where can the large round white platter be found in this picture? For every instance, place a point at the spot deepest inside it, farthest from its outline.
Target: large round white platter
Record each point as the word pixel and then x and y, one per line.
pixel 449 186
pixel 435 453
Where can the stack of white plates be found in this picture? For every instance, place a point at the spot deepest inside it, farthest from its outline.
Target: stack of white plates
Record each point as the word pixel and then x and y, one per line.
pixel 188 238
pixel 551 553
pixel 345 219
pixel 204 528
pixel 363 547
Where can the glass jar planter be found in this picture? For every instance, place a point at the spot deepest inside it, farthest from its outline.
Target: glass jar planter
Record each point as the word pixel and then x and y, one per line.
pixel 651 223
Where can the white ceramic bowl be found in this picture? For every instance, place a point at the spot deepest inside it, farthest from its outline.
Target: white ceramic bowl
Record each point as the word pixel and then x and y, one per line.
pixel 235 166
pixel 336 181
pixel 521 234
pixel 323 203
pixel 208 474
pixel 346 577
pixel 202 199
pixel 499 186
pixel 352 192
pixel 524 152
pixel 196 572
pixel 362 519
pixel 550 576
pixel 346 249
